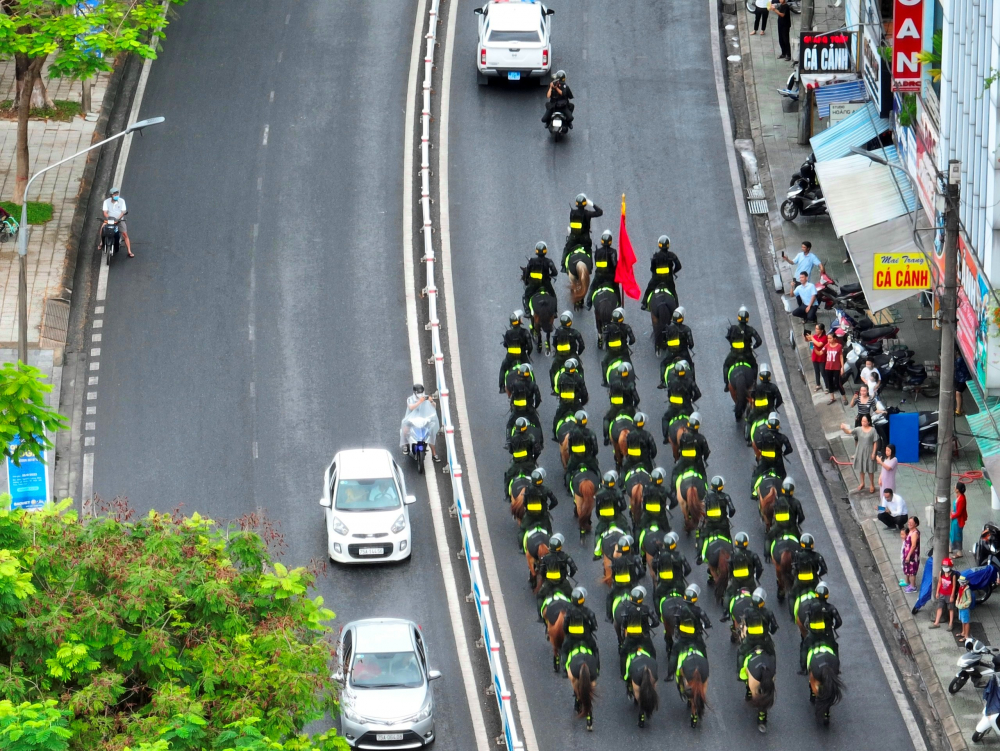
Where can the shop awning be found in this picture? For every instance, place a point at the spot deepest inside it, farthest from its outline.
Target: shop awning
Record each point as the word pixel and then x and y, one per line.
pixel 893 236
pixel 848 91
pixel 856 130
pixel 860 192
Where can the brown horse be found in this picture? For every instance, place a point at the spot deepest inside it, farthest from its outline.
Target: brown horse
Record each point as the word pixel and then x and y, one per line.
pixel 621 446
pixel 782 556
pixel 579 283
pixel 691 493
pixel 517 490
pixel 555 619
pixel 760 683
pixel 718 555
pixel 584 488
pixel 642 685
pixel 536 547
pixel 635 489
pixel 675 431
pixel 582 672
pixel 767 496
pixel 740 380
pixel 692 683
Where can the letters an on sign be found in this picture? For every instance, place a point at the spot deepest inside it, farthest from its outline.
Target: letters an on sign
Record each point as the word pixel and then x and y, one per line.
pixel 907 42
pixel 825 53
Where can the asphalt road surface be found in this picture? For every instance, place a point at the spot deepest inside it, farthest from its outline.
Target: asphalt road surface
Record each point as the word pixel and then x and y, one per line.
pixel 647 124
pixel 258 329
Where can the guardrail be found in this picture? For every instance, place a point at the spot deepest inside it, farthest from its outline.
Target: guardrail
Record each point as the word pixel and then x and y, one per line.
pixel 479 592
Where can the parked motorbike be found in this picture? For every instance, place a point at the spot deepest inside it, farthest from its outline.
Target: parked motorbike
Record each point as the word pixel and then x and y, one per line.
pixel 791 91
pixel 111 236
pixel 830 295
pixel 863 329
pixel 927 430
pixel 989 543
pixel 804 200
pixel 808 168
pixel 979 664
pixel 983 579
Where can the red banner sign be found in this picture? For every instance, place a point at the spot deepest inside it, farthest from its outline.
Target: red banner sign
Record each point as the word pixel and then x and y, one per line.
pixel 907 33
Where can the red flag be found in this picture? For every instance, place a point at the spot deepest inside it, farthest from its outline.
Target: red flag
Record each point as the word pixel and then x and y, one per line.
pixel 624 275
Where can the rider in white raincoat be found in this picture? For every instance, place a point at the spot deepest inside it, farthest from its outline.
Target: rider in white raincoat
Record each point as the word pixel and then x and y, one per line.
pixel 420 405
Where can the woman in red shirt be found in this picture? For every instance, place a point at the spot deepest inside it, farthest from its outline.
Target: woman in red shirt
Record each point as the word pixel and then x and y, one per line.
pixel 958 518
pixel 818 355
pixel 834 366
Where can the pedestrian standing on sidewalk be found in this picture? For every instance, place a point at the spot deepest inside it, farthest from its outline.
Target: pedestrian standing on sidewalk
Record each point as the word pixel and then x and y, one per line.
pixel 864 457
pixel 784 14
pixel 961 376
pixel 893 513
pixel 760 16
pixel 945 593
pixel 887 477
pixel 871 376
pixel 817 346
pixel 910 555
pixel 959 516
pixel 863 401
pixel 805 261
pixel 834 367
pixel 963 601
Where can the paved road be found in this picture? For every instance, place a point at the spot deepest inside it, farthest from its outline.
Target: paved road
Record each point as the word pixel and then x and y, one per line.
pixel 648 124
pixel 233 358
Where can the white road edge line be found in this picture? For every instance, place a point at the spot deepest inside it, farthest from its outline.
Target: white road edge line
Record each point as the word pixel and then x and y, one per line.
pixel 462 646
pixel 778 368
pixel 486 555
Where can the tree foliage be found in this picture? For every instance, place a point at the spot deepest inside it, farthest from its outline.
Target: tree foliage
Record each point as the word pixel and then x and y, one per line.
pixel 164 633
pixel 24 415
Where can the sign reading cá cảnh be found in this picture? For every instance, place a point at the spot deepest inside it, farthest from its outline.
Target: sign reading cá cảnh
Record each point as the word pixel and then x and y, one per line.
pixel 901 271
pixel 907 31
pixel 825 53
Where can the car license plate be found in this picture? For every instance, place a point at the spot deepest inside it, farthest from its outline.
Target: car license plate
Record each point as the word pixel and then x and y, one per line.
pixel 370 551
pixel 388 736
pixel 514 75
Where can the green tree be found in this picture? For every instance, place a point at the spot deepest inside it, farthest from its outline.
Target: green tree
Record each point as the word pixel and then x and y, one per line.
pixel 24 415
pixel 32 31
pixel 162 633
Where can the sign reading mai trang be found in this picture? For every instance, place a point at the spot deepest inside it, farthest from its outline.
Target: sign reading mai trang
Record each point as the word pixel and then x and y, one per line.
pixel 907 27
pixel 901 271
pixel 825 53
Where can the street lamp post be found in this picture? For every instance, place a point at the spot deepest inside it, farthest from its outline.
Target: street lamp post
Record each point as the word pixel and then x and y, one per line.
pixel 22 245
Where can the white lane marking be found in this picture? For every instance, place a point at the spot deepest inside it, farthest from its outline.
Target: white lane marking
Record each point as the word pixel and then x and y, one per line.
pixel 91 410
pixel 462 647
pixel 266 129
pixel 255 449
pixel 778 368
pixel 95 365
pixel 270 98
pixel 95 352
pixel 87 491
pixel 99 309
pixel 88 425
pixel 99 323
pixel 288 18
pixel 282 52
pixel 251 332
pixel 486 555
pixel 92 381
pixel 88 441
pixel 95 337
pixel 260 182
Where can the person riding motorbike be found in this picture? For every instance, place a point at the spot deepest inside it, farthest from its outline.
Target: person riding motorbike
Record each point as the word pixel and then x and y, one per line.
pixel 640 446
pixel 634 622
pixel 745 570
pixel 676 339
pixel 555 569
pixel 618 339
pixel 538 274
pixel 774 446
pixel 759 624
pixel 524 451
pixel 693 449
pixel 719 509
pixel 743 339
pixel 605 265
pixel 567 342
pixel 557 99
pixel 420 406
pixel 579 224
pixel 821 621
pixel 663 267
pixel 518 344
pixel 579 627
pixel 689 630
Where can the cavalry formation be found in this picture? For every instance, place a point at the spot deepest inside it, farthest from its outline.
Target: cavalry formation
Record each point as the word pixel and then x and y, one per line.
pixel 633 534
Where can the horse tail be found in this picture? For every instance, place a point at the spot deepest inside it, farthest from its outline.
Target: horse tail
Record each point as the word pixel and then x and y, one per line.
pixel 699 698
pixel 763 700
pixel 831 689
pixel 767 505
pixel 517 505
pixel 585 690
pixel 649 700
pixel 636 498
pixel 606 579
pixel 586 506
pixel 603 307
pixel 622 443
pixel 555 631
pixel 721 575
pixel 696 509
pixel 582 281
pixel 785 571
pixel 564 450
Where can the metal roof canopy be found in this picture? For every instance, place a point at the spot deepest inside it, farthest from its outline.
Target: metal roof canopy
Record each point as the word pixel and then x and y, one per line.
pixel 893 236
pixel 860 192
pixel 855 130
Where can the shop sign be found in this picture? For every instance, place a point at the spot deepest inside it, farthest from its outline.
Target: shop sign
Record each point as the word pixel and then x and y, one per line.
pixel 907 29
pixel 874 70
pixel 27 481
pixel 842 110
pixel 824 53
pixel 975 303
pixel 895 271
pixel 926 173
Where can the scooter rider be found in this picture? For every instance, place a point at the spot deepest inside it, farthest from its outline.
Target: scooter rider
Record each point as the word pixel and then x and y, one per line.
pixel 114 208
pixel 538 274
pixel 664 267
pixel 557 99
pixel 745 571
pixel 758 624
pixel 821 621
pixel 689 631
pixel 420 405
pixel 580 625
pixel 579 223
pixel 567 342
pixel 518 344
pixel 605 265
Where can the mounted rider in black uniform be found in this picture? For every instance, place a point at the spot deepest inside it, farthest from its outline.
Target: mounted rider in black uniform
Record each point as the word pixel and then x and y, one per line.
pixel 821 621
pixel 693 450
pixel 555 568
pixel 663 267
pixel 676 340
pixel 580 626
pixel 579 225
pixel 618 339
pixel 605 265
pixel 745 570
pixel 567 342
pixel 582 446
pixel 538 274
pixel 689 631
pixel 518 344
pixel 743 340
pixel 774 446
pixel 760 624
pixel 640 446
pixel 634 622
pixel 719 509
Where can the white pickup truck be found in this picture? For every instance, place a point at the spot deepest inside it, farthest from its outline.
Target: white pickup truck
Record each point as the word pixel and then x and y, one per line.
pixel 514 41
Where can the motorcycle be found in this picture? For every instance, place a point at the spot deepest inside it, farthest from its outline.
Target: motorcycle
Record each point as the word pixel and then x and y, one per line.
pixel 989 543
pixel 791 91
pixel 927 430
pixel 863 329
pixel 808 168
pixel 420 428
pixel 979 664
pixel 991 710
pixel 558 126
pixel 802 199
pixel 983 579
pixel 832 296
pixel 111 236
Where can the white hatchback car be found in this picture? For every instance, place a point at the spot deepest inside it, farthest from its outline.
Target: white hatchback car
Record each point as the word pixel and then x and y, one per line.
pixel 365 498
pixel 514 40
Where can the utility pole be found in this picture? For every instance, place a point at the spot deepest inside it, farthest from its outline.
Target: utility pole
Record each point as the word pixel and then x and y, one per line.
pixel 808 8
pixel 946 400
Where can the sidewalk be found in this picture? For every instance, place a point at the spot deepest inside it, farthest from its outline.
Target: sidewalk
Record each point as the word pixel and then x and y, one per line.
pixel 49 141
pixel 775 131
